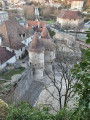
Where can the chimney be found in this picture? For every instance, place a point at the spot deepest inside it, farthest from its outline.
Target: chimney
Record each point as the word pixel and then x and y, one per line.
pixel 0 40
pixel 38 24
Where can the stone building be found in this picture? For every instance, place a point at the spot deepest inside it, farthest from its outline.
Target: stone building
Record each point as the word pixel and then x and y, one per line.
pixel 36 57
pixel 49 49
pixel 41 53
pixel 70 20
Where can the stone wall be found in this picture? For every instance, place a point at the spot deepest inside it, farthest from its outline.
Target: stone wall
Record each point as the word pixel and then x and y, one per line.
pixel 27 89
pixel 67 45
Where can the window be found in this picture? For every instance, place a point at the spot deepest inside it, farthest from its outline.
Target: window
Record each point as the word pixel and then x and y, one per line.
pixel 21 49
pixel 20 35
pixel 24 35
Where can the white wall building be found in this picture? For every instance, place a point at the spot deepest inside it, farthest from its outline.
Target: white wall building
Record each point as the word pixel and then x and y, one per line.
pixel 14 37
pixel 70 20
pixel 77 4
pixel 6 57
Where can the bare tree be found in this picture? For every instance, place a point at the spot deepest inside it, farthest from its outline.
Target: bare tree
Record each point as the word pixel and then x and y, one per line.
pixel 62 80
pixel 29 12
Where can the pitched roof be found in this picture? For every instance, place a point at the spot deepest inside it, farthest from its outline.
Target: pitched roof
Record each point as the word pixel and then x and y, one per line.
pixel 29 24
pixel 69 14
pixel 35 45
pixel 45 33
pixel 11 31
pixel 77 0
pixel 5 55
pixel 46 40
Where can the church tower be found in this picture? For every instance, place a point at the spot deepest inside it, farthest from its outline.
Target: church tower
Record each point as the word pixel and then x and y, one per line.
pixel 36 57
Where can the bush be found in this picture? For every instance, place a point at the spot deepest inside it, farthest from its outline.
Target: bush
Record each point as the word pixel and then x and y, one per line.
pixel 3 110
pixel 52 33
pixel 24 111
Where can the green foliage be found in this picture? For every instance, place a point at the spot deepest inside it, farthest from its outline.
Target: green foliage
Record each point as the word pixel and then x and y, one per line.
pixel 23 111
pixel 3 110
pixel 9 74
pixel 88 35
pixel 64 114
pixel 82 72
pixel 52 33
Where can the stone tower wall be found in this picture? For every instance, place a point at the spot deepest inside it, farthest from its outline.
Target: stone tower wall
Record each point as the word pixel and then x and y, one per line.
pixel 37 60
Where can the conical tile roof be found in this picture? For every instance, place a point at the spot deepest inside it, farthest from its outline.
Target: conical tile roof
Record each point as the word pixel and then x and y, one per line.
pixel 35 45
pixel 45 33
pixel 46 40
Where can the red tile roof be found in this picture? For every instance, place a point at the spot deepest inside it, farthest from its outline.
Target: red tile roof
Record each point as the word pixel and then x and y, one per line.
pixel 35 45
pixel 46 40
pixel 69 14
pixel 45 33
pixel 5 55
pixel 29 24
pixel 77 0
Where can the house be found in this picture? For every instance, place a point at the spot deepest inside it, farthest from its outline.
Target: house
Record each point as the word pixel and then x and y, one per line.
pixel 16 2
pixel 6 57
pixel 3 16
pixel 70 20
pixel 35 25
pixel 55 3
pixel 14 37
pixel 77 4
pixel 38 1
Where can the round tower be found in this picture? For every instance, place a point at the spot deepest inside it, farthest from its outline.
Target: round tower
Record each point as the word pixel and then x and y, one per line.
pixel 49 48
pixel 36 57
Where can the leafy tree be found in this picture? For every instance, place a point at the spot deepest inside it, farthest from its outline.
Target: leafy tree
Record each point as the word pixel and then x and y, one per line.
pixel 3 110
pixel 23 111
pixel 88 35
pixel 82 72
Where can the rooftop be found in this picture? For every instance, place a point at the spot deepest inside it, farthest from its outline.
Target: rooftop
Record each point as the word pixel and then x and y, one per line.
pixel 45 33
pixel 11 33
pixel 32 24
pixel 5 55
pixel 36 45
pixel 70 14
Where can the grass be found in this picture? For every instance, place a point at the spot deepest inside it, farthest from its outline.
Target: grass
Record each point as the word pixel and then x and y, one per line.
pixel 8 86
pixel 52 33
pixel 9 74
pixel 49 22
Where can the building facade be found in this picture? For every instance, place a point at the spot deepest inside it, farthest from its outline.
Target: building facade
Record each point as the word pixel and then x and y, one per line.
pixel 70 20
pixel 77 4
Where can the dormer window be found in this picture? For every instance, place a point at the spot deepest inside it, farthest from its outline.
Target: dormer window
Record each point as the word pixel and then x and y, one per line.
pixel 22 35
